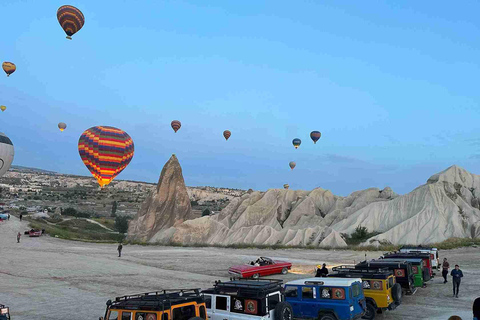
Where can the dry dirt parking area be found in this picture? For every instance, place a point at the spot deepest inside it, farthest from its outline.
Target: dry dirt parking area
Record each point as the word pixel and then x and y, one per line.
pixel 49 278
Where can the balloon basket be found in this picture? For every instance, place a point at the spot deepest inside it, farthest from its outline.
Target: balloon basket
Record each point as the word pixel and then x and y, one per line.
pixel 69 38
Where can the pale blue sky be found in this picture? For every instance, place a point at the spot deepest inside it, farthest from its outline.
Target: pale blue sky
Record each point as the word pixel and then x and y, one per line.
pixel 392 86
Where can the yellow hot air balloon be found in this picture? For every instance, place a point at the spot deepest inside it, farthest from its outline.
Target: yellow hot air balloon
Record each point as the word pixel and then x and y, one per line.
pixel 9 68
pixel 3 108
pixel 62 126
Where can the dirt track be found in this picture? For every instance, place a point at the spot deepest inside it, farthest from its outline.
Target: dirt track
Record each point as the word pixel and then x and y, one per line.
pixel 49 278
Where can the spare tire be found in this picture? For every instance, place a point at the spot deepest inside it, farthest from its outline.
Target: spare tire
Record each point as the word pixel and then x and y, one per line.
pixel 397 293
pixel 426 274
pixel 283 311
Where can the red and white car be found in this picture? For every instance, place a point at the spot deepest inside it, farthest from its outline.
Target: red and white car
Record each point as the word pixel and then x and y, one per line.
pixel 262 267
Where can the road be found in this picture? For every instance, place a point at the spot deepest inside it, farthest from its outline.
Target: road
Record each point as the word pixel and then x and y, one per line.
pixel 50 278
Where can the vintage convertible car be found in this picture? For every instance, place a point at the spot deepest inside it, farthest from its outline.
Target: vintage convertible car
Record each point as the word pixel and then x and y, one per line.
pixel 263 266
pixel 35 233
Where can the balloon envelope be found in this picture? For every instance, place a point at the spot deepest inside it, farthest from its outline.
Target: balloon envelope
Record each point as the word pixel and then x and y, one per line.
pixel 105 151
pixel 71 19
pixel 296 142
pixel 315 135
pixel 3 108
pixel 62 126
pixel 286 186
pixel 227 134
pixel 9 68
pixel 292 164
pixel 6 153
pixel 176 125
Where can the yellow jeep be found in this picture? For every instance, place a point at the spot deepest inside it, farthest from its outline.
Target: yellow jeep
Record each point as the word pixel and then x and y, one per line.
pixel 181 304
pixel 379 287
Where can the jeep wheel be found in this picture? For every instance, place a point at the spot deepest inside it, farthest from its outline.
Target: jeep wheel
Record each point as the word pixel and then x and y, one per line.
pixel 328 317
pixel 397 293
pixel 256 276
pixel 284 271
pixel 370 312
pixel 283 311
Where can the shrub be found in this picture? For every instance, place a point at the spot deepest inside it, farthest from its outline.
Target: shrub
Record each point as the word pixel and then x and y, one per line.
pixel 360 235
pixel 121 224
pixel 206 212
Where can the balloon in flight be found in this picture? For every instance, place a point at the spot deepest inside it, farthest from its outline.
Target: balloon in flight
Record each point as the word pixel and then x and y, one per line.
pixel 315 136
pixel 227 134
pixel 292 164
pixel 286 186
pixel 296 143
pixel 105 151
pixel 62 126
pixel 6 153
pixel 176 125
pixel 71 19
pixel 3 108
pixel 9 68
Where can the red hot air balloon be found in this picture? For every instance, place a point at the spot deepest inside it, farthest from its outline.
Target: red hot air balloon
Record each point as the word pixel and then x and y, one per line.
pixel 71 19
pixel 292 164
pixel 176 125
pixel 105 151
pixel 227 134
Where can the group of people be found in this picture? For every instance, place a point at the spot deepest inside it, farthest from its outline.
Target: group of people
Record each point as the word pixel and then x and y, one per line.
pixel 322 272
pixel 456 275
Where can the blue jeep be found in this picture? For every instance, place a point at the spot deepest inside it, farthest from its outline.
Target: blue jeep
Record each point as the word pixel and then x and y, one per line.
pixel 326 298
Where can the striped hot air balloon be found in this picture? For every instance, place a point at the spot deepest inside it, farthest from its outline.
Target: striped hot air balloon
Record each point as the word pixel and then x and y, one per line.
pixel 106 151
pixel 9 68
pixel 292 164
pixel 176 125
pixel 227 134
pixel 315 135
pixel 7 153
pixel 296 143
pixel 71 19
pixel 62 126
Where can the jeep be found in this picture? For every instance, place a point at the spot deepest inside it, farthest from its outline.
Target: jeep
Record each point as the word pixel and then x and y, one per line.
pixel 4 312
pixel 326 298
pixel 247 299
pixel 402 270
pixel 181 304
pixel 426 267
pixel 420 273
pixel 379 286
pixel 435 260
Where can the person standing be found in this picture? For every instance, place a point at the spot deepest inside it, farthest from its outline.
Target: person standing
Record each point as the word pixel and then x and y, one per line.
pixel 457 276
pixel 324 270
pixel 476 309
pixel 445 267
pixel 8 216
pixel 21 217
pixel 18 237
pixel 119 248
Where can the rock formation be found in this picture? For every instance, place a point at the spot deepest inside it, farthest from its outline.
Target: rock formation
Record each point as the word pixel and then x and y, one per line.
pixel 168 205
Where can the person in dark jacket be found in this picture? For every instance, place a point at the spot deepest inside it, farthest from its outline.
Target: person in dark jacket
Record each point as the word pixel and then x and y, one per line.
pixel 324 270
pixel 119 248
pixel 445 267
pixel 18 237
pixel 476 309
pixel 21 217
pixel 457 276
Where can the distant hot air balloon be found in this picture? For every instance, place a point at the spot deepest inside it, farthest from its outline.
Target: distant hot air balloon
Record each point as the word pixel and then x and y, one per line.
pixel 71 19
pixel 176 125
pixel 3 108
pixel 9 68
pixel 106 151
pixel 315 135
pixel 286 186
pixel 6 153
pixel 227 134
pixel 292 164
pixel 62 126
pixel 296 143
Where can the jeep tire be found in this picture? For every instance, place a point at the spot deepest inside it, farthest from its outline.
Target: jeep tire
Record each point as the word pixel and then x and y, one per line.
pixel 370 311
pixel 397 293
pixel 284 270
pixel 256 276
pixel 283 311
pixel 426 275
pixel 328 316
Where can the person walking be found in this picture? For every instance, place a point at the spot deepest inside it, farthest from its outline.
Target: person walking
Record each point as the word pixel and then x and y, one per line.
pixel 8 217
pixel 457 276
pixel 21 217
pixel 445 267
pixel 18 237
pixel 476 309
pixel 119 248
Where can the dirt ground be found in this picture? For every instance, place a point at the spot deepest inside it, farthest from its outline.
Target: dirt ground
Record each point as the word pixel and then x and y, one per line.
pixel 49 278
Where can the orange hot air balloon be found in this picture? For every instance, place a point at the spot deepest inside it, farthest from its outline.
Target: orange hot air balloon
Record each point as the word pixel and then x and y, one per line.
pixel 71 19
pixel 9 68
pixel 62 126
pixel 227 134
pixel 3 108
pixel 105 151
pixel 176 125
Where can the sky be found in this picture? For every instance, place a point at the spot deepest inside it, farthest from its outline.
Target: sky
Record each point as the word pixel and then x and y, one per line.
pixel 392 87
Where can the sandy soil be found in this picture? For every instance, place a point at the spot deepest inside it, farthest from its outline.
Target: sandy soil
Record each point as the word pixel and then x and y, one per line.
pixel 49 278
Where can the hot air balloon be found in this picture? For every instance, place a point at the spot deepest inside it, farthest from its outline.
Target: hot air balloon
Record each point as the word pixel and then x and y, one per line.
pixel 292 164
pixel 3 108
pixel 9 68
pixel 176 125
pixel 62 126
pixel 315 135
pixel 296 143
pixel 71 19
pixel 105 151
pixel 286 186
pixel 227 134
pixel 6 153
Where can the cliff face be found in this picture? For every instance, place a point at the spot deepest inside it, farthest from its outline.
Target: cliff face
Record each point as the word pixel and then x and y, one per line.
pixel 166 206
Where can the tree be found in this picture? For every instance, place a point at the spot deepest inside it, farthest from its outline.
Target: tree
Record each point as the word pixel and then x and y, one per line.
pixel 206 212
pixel 114 209
pixel 121 224
pixel 70 212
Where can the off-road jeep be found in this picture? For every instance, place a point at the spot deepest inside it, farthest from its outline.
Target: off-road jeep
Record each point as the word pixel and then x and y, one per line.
pixel 4 312
pixel 326 298
pixel 435 260
pixel 420 273
pixel 427 270
pixel 247 299
pixel 379 286
pixel 181 304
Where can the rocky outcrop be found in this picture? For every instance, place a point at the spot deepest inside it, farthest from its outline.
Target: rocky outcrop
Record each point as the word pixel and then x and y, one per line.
pixel 168 205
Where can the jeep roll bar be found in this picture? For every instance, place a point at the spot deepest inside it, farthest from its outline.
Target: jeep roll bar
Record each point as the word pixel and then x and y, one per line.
pixel 164 293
